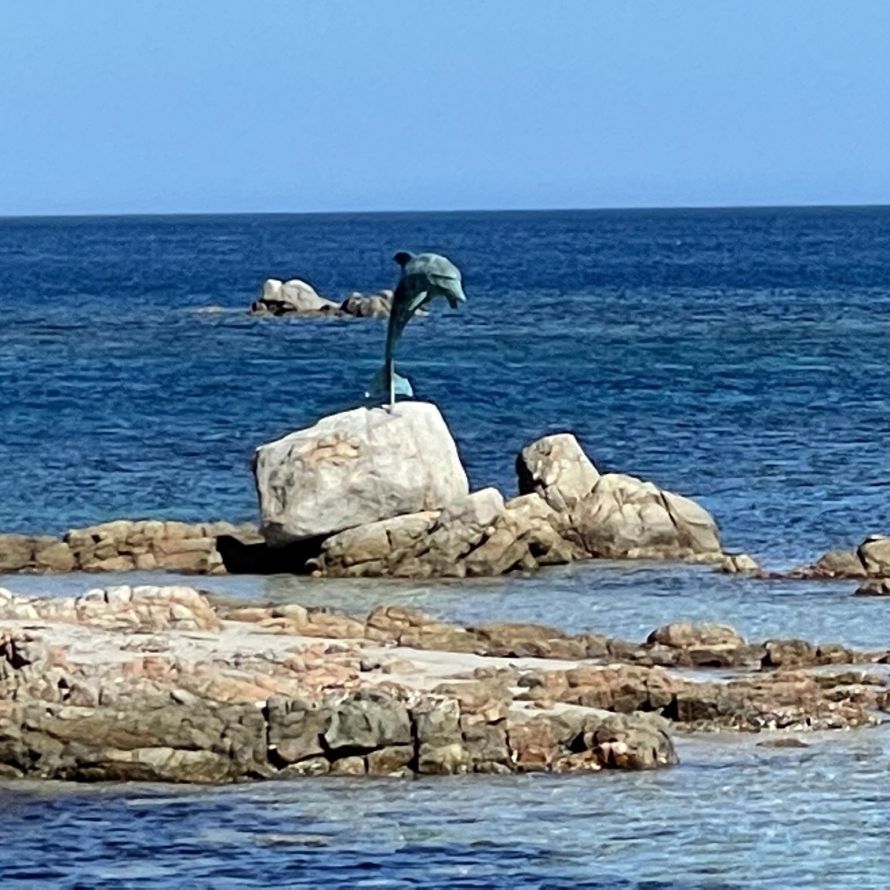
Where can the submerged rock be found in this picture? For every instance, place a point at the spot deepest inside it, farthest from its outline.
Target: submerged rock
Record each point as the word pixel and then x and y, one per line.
pixel 354 468
pixel 739 564
pixel 874 587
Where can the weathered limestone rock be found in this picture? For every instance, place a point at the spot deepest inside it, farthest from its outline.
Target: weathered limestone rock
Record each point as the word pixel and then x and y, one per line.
pixel 528 534
pixel 16 552
pixel 357 467
pixel 613 515
pixel 296 727
pixel 870 560
pixel 376 305
pixel 125 545
pixel 201 743
pixel 702 645
pixel 474 535
pixel 739 564
pixel 54 556
pixel 148 684
pixel 685 635
pixel 630 742
pixel 367 549
pixel 839 564
pixel 414 545
pixel 518 640
pixel 556 468
pixel 411 627
pixel 294 297
pixel 139 609
pixel 874 554
pixel 626 517
pixel 368 720
pixel 874 587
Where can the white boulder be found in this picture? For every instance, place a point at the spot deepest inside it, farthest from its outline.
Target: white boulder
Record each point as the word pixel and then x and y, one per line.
pixel 357 467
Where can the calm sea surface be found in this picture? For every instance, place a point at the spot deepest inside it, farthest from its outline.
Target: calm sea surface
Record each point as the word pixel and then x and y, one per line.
pixel 740 357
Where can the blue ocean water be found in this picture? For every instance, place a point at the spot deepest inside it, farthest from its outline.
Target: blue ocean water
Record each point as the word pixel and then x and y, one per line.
pixel 738 356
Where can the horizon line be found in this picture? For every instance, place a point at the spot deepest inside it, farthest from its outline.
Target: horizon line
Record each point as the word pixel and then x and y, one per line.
pixel 634 208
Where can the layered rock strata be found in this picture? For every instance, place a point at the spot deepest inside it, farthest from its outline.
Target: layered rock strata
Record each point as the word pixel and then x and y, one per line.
pixel 165 684
pixel 127 545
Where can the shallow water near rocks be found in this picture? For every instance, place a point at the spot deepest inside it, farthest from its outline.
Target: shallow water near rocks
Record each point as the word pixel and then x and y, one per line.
pixel 732 815
pixel 615 598
pixel 738 357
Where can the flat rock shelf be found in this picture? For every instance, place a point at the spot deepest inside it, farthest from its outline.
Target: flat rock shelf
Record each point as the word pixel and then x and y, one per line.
pixel 172 684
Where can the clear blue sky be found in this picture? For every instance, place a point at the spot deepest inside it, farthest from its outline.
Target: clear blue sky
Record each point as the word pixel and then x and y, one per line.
pixel 288 105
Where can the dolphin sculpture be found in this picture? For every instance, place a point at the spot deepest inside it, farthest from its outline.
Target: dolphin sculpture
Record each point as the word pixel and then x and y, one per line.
pixel 424 276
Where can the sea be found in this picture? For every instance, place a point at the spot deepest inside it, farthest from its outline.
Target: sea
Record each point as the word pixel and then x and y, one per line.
pixel 738 356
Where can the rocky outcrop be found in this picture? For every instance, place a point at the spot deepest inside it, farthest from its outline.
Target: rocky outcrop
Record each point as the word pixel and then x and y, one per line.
pixel 624 517
pixel 125 545
pixel 160 684
pixel 116 685
pixel 614 515
pixel 477 535
pixel 376 305
pixel 739 564
pixel 293 297
pixel 871 559
pixel 566 511
pixel 298 298
pixel 556 468
pixel 374 492
pixel 354 468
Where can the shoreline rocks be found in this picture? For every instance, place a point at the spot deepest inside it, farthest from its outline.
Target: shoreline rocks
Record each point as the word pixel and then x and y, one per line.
pixel 125 545
pixel 378 492
pixel 386 495
pixel 868 563
pixel 165 684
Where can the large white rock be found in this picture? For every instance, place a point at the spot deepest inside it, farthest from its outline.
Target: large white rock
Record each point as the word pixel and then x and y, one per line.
pixel 557 469
pixel 614 515
pixel 357 467
pixel 626 517
pixel 294 296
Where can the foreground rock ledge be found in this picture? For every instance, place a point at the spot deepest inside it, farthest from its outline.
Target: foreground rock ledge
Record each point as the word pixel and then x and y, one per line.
pixel 164 684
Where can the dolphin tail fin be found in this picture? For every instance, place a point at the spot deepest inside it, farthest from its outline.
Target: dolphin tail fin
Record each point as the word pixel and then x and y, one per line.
pixel 380 386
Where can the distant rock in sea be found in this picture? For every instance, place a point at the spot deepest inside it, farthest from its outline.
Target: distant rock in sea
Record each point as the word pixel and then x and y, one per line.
pixel 297 297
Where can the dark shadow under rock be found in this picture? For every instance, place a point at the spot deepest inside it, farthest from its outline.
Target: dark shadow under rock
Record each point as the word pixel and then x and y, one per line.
pixel 261 559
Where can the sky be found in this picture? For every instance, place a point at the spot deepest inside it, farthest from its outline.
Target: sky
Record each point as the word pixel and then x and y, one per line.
pixel 161 106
